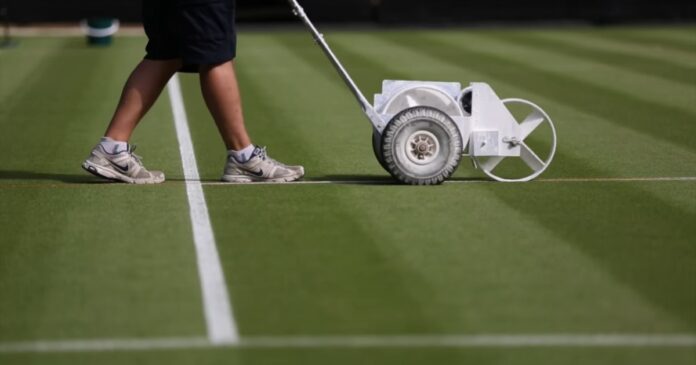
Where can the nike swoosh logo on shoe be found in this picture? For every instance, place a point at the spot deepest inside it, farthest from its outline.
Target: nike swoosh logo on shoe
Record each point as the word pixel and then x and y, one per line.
pixel 259 174
pixel 119 167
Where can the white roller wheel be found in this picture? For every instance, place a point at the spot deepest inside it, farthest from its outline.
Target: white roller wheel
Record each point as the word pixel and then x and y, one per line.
pixel 421 146
pixel 533 162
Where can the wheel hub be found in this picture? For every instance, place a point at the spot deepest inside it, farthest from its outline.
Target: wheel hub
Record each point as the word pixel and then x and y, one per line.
pixel 422 147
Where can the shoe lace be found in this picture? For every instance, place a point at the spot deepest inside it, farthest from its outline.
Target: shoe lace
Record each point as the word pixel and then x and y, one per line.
pixel 263 154
pixel 137 158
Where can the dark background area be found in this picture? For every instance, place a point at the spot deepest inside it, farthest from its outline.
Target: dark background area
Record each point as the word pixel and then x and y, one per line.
pixel 431 12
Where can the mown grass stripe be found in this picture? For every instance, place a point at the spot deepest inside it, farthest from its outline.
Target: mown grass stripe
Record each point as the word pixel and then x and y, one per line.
pixel 303 47
pixel 639 86
pixel 596 39
pixel 669 124
pixel 359 64
pixel 675 39
pixel 640 65
pixel 19 70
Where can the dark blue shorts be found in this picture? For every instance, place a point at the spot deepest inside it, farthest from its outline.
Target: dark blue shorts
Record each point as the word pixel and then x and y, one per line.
pixel 199 32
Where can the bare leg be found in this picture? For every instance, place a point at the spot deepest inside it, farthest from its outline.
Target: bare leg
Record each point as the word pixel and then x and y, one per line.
pixel 221 93
pixel 141 91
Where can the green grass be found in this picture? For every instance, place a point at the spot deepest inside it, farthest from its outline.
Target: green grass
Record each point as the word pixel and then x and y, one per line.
pixel 80 259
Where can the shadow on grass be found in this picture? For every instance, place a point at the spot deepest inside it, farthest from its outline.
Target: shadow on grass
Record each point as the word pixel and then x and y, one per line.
pixel 346 179
pixel 355 178
pixel 377 179
pixel 33 176
pixel 349 179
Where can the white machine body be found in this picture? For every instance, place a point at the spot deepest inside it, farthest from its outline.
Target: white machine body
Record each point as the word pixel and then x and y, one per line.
pixel 490 129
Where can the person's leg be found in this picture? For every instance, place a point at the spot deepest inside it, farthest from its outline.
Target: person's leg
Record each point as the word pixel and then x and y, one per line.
pixel 141 91
pixel 113 158
pixel 221 93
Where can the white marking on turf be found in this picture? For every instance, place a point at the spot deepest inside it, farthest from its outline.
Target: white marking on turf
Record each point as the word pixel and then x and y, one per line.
pixel 216 302
pixel 463 182
pixel 622 179
pixel 371 341
pixel 105 345
pixel 498 340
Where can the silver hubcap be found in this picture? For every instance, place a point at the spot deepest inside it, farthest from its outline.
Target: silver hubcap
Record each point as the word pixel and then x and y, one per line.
pixel 422 147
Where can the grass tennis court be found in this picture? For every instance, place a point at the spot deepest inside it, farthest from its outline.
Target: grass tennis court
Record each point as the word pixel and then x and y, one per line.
pixel 603 244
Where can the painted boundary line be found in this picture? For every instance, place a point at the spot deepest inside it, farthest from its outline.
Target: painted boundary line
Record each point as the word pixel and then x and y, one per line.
pixel 466 182
pixel 359 342
pixel 216 302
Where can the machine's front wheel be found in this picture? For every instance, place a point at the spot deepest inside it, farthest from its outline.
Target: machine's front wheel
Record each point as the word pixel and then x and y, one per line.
pixel 421 146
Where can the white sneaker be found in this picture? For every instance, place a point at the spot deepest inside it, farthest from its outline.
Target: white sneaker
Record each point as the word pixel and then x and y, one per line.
pixel 260 168
pixel 124 166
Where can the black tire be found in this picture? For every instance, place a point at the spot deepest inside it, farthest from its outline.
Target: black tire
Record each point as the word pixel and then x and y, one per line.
pixel 377 149
pixel 421 146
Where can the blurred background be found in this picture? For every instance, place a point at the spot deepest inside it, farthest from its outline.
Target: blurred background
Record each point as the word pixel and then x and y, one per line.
pixel 395 12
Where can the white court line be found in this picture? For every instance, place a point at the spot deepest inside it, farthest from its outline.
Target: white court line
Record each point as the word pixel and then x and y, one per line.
pixel 490 340
pixel 621 179
pixel 466 182
pixel 372 341
pixel 216 302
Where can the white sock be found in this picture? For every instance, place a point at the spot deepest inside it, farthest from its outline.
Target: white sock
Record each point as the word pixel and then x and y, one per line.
pixel 113 147
pixel 243 155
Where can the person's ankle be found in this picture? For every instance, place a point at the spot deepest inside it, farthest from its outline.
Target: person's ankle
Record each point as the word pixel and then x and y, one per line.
pixel 112 146
pixel 243 155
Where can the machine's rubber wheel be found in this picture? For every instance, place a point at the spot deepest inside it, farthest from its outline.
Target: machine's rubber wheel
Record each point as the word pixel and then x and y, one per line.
pixel 421 146
pixel 377 149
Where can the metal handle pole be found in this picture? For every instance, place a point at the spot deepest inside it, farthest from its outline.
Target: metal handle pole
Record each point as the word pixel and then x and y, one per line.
pixel 319 38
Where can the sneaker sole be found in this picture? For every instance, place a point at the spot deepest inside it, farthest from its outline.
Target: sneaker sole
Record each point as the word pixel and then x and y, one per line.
pixel 111 175
pixel 244 179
